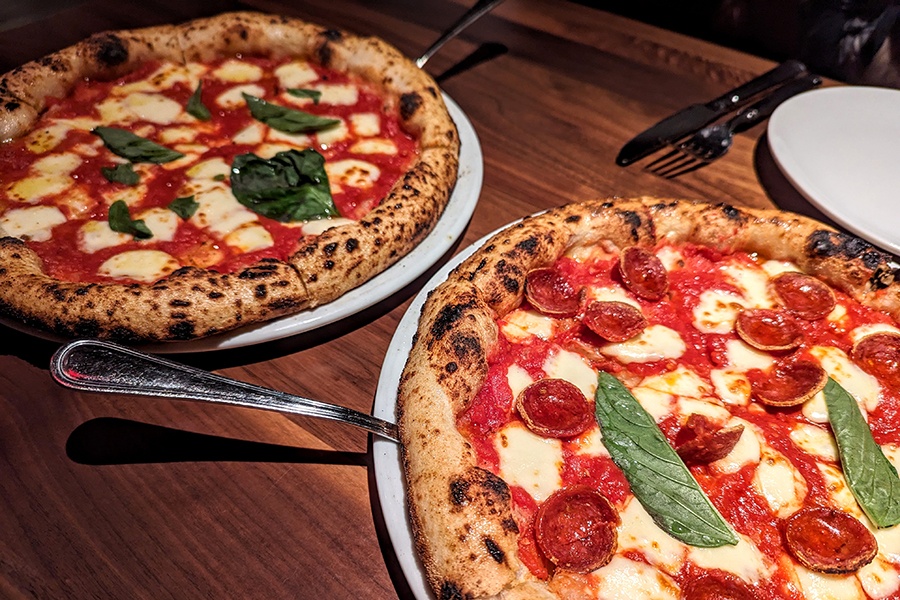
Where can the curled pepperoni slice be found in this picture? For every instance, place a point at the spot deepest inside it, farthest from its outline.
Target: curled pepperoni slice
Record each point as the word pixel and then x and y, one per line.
pixel 804 296
pixel 614 321
pixel 713 587
pixel 879 355
pixel 555 408
pixel 551 293
pixel 829 540
pixel 701 441
pixel 769 330
pixel 789 384
pixel 576 529
pixel 643 273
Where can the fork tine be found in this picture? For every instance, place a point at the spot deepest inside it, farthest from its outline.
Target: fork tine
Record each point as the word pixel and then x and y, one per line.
pixel 685 169
pixel 679 161
pixel 664 159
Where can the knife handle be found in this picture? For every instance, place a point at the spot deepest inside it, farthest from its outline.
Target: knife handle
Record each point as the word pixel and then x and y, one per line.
pixel 761 110
pixel 783 72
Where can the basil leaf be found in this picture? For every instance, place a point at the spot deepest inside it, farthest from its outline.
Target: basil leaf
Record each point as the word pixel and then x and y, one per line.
pixel 133 147
pixel 195 106
pixel 284 119
pixel 120 220
pixel 122 173
pixel 184 207
pixel 656 474
pixel 290 186
pixel 316 95
pixel 870 475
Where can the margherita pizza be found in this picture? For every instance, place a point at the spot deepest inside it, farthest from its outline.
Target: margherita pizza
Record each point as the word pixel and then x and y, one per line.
pixel 179 181
pixel 658 399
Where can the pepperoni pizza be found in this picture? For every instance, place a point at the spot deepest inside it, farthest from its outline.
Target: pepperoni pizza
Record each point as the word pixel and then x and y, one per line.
pixel 174 182
pixel 658 399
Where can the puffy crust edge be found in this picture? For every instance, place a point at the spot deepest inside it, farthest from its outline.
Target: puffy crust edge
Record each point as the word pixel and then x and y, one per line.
pixel 329 265
pixel 441 378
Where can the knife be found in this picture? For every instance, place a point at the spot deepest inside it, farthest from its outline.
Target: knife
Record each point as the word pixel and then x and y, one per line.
pixel 696 116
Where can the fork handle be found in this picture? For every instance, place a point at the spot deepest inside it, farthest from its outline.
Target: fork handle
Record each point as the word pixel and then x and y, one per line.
pixel 759 111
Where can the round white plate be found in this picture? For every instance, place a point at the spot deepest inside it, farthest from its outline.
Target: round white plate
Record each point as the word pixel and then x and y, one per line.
pixel 840 148
pixel 386 454
pixel 446 231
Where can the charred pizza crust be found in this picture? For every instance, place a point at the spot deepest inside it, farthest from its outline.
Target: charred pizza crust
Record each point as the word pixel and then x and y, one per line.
pixel 193 302
pixel 461 515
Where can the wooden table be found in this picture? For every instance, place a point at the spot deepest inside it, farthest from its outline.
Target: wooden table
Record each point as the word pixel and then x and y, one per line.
pixel 259 505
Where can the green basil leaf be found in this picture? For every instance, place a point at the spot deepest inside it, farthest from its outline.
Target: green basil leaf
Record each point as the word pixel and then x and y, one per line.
pixel 122 173
pixel 120 220
pixel 290 186
pixel 657 476
pixel 284 119
pixel 195 106
pixel 315 95
pixel 184 207
pixel 870 475
pixel 133 147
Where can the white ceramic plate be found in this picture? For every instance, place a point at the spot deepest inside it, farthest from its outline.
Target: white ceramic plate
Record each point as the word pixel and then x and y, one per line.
pixel 446 231
pixel 386 454
pixel 840 147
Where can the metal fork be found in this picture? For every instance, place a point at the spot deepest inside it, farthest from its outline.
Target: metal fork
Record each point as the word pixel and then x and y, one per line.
pixel 714 141
pixel 478 10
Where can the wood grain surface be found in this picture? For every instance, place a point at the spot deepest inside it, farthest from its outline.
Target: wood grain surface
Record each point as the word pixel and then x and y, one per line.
pixel 129 497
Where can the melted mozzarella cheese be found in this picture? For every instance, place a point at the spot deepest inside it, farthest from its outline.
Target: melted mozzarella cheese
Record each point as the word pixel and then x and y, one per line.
pixel 237 71
pixel 656 342
pixel 879 578
pixel 300 140
pixel 220 212
pixel 234 97
pixel 49 175
pixel 743 357
pixel 366 124
pixel 680 382
pixel 837 314
pixel 374 146
pixel 521 324
pixel 251 135
pixel 815 409
pixel 638 531
pixel 518 379
pixel 670 257
pixel 295 74
pixel 747 451
pixel 319 226
pixel 209 169
pixel 178 135
pixel 250 237
pixel 353 172
pixel 862 331
pixel 590 443
pixel 862 386
pixel 779 483
pixel 743 559
pixel 692 406
pixel 140 265
pixel 731 387
pixel 154 108
pixel 625 579
pixel 822 586
pixel 529 461
pixel 611 294
pixel 333 134
pixel 716 311
pixel 34 223
pixel 815 441
pixel 341 94
pixel 838 490
pixel 774 268
pixel 753 283
pixel 162 222
pixel 563 364
pixel 658 404
pixel 96 235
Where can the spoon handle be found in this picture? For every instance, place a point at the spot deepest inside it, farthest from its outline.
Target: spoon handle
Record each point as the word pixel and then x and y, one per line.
pixel 97 366
pixel 473 14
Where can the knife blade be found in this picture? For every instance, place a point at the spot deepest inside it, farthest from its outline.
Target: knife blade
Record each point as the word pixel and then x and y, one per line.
pixel 697 116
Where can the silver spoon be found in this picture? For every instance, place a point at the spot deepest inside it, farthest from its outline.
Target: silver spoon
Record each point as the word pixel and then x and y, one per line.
pixel 473 14
pixel 96 366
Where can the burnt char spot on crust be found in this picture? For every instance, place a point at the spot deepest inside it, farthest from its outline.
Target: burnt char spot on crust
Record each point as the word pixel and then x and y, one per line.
pixel 333 35
pixel 732 213
pixel 109 49
pixel 182 330
pixel 496 485
pixel 179 303
pixel 633 220
pixel 450 591
pixel 409 104
pixel 510 525
pixel 11 106
pixel 329 249
pixel 459 492
pixel 451 367
pixel 829 244
pixel 260 291
pixel 448 316
pixel 494 550
pixel 528 245
pixel 351 244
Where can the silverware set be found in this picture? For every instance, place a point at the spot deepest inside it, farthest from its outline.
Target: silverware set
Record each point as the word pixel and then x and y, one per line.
pixel 696 136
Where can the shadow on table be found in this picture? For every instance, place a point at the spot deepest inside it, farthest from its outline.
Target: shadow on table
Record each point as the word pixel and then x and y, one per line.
pixel 484 53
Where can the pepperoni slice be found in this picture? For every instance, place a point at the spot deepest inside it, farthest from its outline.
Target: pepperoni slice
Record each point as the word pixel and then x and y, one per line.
pixel 713 587
pixel 551 293
pixel 643 273
pixel 769 330
pixel 614 321
pixel 879 355
pixel 789 384
pixel 555 408
pixel 829 540
pixel 701 441
pixel 804 296
pixel 576 529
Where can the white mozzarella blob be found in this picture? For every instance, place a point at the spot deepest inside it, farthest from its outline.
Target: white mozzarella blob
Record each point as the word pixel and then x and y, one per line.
pixel 154 108
pixel 838 490
pixel 130 195
pixel 563 364
pixel 521 324
pixel 611 294
pixel 140 265
pixel 220 212
pixel 209 169
pixel 590 443
pixel 774 268
pixel 862 331
pixel 162 222
pixel 34 223
pixel 178 135
pixel 743 357
pixel 529 461
pixel 753 283
pixel 656 342
pixel 366 124
pixel 747 451
pixel 250 237
pixel 716 311
pixel 657 404
pixel 626 579
pixel 862 386
pixel 779 483
pixel 374 146
pixel 341 94
pixel 353 172
pixel 815 409
pixel 338 132
pixel 815 441
pixel 638 531
pixel 250 135
pixel 670 257
pixel 49 176
pixel 295 74
pixel 837 314
pixel 319 226
pixel 299 140
pixel 234 97
pixel 680 382
pixel 731 387
pixel 692 406
pixel 518 379
pixel 879 578
pixel 237 71
pixel 822 586
pixel 96 235
pixel 743 559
